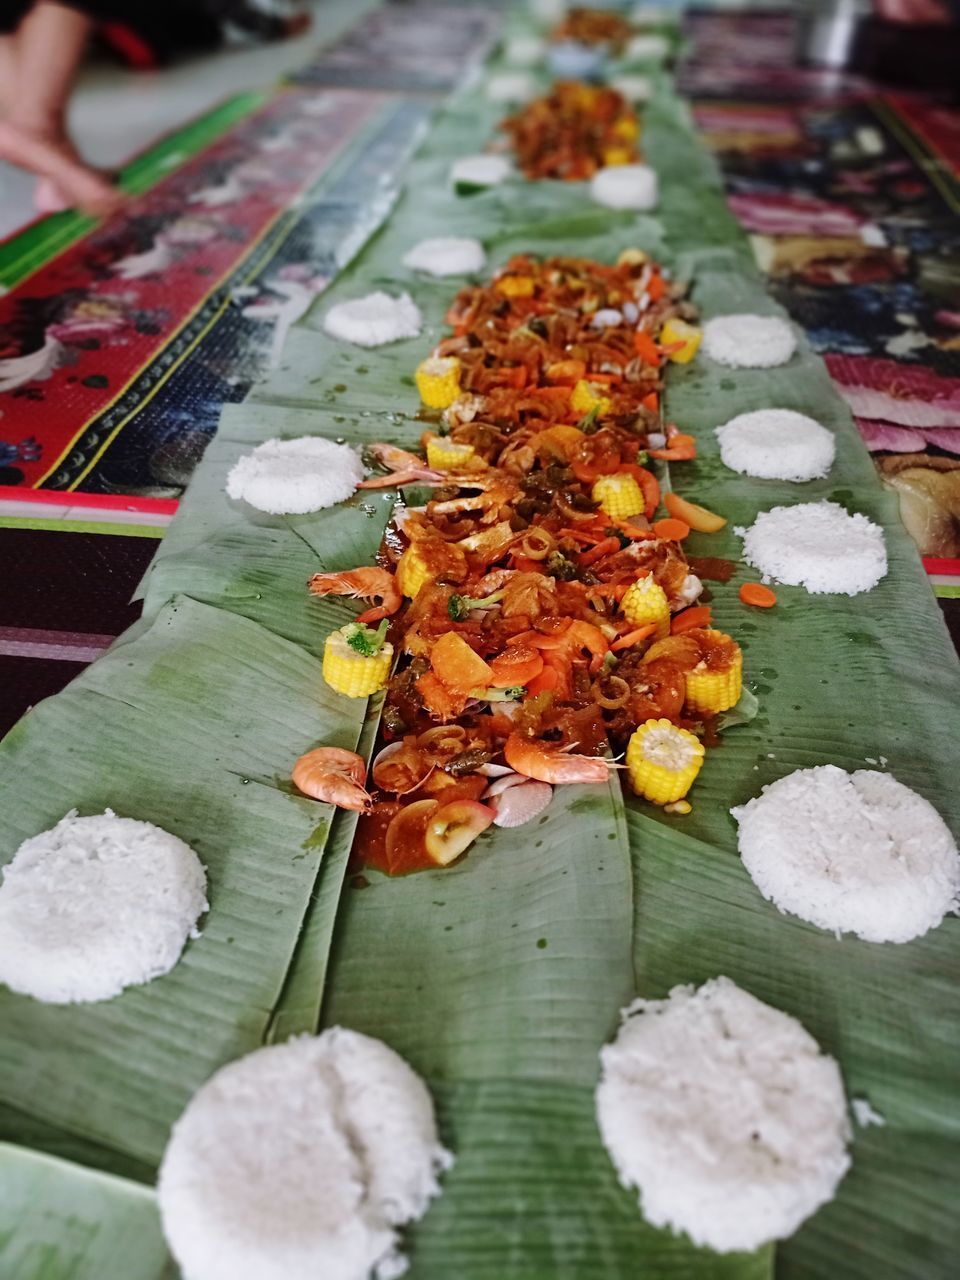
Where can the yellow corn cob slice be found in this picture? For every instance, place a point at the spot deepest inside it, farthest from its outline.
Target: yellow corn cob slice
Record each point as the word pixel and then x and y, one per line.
pixel 351 673
pixel 663 761
pixel 712 691
pixel 438 381
pixel 412 572
pixel 619 495
pixel 631 258
pixel 445 455
pixel 617 155
pixel 646 602
pixel 627 128
pixel 515 286
pixel 680 331
pixel 586 397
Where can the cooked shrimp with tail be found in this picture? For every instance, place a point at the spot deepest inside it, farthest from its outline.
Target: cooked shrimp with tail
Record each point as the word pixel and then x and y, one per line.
pixel 534 759
pixel 334 776
pixel 361 584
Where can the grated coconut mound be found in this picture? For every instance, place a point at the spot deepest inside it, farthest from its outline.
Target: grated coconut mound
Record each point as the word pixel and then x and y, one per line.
pixel 816 545
pixel 851 852
pixel 300 1162
pixel 96 905
pixel 724 1114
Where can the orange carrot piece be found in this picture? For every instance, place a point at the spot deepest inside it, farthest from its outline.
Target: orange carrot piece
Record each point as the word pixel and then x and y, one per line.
pixel 651 401
pixel 698 518
pixel 656 288
pixel 550 393
pixel 605 547
pixel 671 530
pixel 456 664
pixel 633 637
pixel 546 681
pixel 646 348
pixel 758 595
pixel 697 617
pixel 518 664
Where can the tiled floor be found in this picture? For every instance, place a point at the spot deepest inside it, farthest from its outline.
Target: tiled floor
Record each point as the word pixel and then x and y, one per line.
pixel 116 113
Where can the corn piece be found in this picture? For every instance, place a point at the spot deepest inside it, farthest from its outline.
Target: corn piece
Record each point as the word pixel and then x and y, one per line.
pixel 587 397
pixel 619 496
pixel 438 381
pixel 445 455
pixel 679 331
pixel 710 691
pixel 627 128
pixel 663 761
pixel 515 286
pixel 646 602
pixel 616 156
pixel 351 673
pixel 412 571
pixel 631 258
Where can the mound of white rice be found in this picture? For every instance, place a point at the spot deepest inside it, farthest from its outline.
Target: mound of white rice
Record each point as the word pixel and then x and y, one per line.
pixel 511 86
pixel 524 51
pixel 292 477
pixel 446 256
pixel 724 1114
pixel 301 1161
pixel 749 341
pixel 776 444
pixel 851 852
pixel 375 320
pixel 816 545
pixel 480 171
pixel 625 186
pixel 95 905
pixel 634 88
pixel 646 48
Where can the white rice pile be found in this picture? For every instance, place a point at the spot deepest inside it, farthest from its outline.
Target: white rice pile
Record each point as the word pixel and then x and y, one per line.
pixel 625 186
pixel 524 51
pixel 95 905
pixel 649 48
pixel 749 341
pixel 375 320
pixel 634 88
pixel 480 171
pixel 724 1114
pixel 292 477
pixel 301 1161
pixel 776 444
pixel 851 852
pixel 511 86
pixel 816 545
pixel 447 256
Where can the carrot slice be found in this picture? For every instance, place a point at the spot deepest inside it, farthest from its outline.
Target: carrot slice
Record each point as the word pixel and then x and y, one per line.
pixel 518 664
pixel 651 401
pixel 633 637
pixel 758 595
pixel 698 518
pixel 656 288
pixel 646 348
pixel 689 618
pixel 456 664
pixel 605 547
pixel 671 530
pixel 547 680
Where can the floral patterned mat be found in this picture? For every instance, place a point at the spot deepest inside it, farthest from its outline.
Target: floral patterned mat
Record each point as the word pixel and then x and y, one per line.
pixel 851 196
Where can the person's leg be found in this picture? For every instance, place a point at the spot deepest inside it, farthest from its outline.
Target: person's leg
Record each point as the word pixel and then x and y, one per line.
pixel 49 45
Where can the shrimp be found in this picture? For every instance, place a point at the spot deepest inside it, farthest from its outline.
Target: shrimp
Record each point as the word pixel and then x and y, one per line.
pixel 403 468
pixel 334 776
pixel 365 584
pixel 534 759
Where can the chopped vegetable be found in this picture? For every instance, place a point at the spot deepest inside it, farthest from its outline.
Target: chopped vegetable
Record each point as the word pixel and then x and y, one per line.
pixel 619 495
pixel 445 455
pixel 758 595
pixel 456 664
pixel 680 340
pixel 663 761
pixel 715 684
pixel 357 660
pixel 699 616
pixel 646 602
pixel 452 828
pixel 698 518
pixel 646 348
pixel 458 607
pixel 438 381
pixel 671 530
pixel 587 398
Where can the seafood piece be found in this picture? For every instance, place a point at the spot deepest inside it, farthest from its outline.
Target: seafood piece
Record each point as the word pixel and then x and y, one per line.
pixel 535 759
pixel 361 584
pixel 334 776
pixel 517 805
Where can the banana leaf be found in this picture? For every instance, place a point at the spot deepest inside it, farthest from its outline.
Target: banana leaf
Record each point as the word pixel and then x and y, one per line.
pixel 59 1221
pixel 192 726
